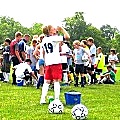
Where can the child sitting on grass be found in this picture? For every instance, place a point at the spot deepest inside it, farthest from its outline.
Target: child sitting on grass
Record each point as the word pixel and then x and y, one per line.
pixel 108 77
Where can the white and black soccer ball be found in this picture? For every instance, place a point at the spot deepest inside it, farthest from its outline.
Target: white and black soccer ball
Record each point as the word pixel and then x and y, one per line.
pixel 85 58
pixel 56 107
pixel 79 112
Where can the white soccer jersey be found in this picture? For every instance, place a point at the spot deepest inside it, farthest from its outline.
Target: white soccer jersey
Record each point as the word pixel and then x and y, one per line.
pixel 65 49
pixel 20 69
pixel 112 57
pixel 93 51
pixel 51 49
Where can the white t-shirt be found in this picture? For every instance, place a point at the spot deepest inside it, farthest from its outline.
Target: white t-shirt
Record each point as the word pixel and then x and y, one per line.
pixel 20 69
pixel 93 51
pixel 65 49
pixel 112 57
pixel 51 48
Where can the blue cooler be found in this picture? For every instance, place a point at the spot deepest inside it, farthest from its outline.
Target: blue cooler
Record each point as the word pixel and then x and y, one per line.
pixel 72 98
pixel 20 82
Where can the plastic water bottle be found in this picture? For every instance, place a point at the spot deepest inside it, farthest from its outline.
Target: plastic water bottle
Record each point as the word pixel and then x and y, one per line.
pixel 50 99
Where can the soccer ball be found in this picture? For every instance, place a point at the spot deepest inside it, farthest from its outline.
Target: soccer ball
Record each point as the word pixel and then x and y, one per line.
pixel 85 58
pixel 56 107
pixel 79 112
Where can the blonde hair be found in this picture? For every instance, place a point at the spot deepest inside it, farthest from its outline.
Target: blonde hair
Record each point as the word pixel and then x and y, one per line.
pixel 46 29
pixel 76 42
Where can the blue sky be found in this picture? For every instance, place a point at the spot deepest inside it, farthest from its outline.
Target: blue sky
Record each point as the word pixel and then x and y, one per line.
pixel 27 12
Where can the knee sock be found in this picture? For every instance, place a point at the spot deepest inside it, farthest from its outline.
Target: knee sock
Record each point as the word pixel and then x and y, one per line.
pixel 4 75
pixel 14 78
pixel 44 91
pixel 85 80
pixel 7 77
pixel 82 81
pixel 57 90
pixel 40 81
pixel 76 80
pixel 65 77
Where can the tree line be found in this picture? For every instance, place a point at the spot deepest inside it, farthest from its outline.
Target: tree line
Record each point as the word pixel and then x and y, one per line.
pixel 106 37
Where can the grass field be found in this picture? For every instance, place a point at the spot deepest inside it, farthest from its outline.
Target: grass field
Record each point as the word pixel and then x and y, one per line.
pixel 22 103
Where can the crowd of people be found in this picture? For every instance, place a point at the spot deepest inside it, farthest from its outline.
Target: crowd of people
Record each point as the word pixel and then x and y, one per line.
pixel 50 59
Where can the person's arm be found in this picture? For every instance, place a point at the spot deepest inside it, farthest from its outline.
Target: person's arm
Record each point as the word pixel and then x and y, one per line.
pixel 28 53
pixel 65 33
pixel 17 53
pixel 22 50
pixel 89 57
pixel 35 53
pixel 34 76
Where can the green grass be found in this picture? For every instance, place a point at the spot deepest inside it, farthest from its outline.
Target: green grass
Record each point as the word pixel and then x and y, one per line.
pixel 22 103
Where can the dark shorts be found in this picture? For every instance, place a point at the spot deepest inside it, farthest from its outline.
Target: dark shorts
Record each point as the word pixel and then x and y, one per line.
pixel 41 62
pixel 79 68
pixel 109 82
pixel 98 71
pixel 64 66
pixel 91 68
pixel 15 61
pixel 85 69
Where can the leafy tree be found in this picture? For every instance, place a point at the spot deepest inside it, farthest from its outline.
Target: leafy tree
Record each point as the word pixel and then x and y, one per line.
pixel 76 25
pixel 8 27
pixel 108 32
pixel 36 29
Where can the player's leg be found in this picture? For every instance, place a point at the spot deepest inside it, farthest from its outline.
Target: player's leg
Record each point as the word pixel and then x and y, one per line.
pixel 65 75
pixel 82 75
pixel 77 70
pixel 57 77
pixel 41 73
pixel 46 84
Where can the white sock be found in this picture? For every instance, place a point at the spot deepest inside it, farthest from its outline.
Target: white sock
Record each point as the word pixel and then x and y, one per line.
pixel 38 75
pixel 89 78
pixel 4 74
pixel 57 90
pixel 7 77
pixel 44 91
pixel 65 77
pixel 104 79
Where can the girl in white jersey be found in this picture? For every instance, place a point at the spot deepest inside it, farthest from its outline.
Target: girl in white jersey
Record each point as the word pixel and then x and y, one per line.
pixel 113 59
pixel 53 67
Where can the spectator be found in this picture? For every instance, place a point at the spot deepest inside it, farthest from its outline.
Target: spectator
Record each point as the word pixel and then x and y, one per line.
pixel 6 60
pixel 30 56
pixel 22 46
pixel 14 52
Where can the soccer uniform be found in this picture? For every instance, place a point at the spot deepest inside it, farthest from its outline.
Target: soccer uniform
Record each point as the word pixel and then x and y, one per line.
pixel 100 62
pixel 79 63
pixel 86 63
pixel 32 58
pixel 112 58
pixel 53 67
pixel 65 50
pixel 20 69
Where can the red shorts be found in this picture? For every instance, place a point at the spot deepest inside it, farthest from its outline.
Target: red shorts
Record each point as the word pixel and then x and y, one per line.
pixel 53 72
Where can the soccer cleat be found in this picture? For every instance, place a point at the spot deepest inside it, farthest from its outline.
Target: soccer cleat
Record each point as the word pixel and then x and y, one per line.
pixel 42 102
